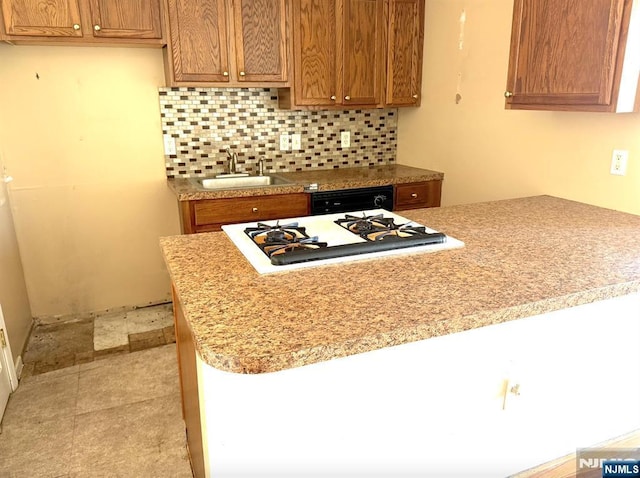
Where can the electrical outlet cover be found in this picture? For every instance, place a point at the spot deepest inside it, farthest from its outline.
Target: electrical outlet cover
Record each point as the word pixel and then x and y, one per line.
pixel 169 144
pixel 619 162
pixel 345 139
pixel 284 142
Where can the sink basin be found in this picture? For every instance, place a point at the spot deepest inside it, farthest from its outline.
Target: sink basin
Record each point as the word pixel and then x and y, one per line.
pixel 241 182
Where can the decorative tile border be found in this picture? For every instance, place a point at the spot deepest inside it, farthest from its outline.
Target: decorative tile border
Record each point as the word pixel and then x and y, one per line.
pixel 205 121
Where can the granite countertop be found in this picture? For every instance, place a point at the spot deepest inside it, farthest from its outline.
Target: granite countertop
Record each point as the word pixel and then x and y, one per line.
pixel 326 179
pixel 522 257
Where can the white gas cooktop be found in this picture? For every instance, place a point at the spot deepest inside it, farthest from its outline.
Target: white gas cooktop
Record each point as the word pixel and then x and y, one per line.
pixel 326 230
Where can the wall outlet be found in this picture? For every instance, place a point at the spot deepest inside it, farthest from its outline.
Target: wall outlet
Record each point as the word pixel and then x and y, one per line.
pixel 619 162
pixel 169 144
pixel 284 142
pixel 345 139
pixel 296 142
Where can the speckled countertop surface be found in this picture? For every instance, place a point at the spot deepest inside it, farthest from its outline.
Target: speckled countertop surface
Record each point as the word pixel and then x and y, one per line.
pixel 522 257
pixel 326 179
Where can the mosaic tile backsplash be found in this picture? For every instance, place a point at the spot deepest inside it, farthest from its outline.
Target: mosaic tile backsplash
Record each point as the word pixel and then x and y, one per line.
pixel 206 121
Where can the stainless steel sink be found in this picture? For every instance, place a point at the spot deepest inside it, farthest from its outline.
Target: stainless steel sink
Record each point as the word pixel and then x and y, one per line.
pixel 232 182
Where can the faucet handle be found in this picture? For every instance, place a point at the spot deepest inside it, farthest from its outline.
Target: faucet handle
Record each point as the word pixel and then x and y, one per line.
pixel 261 167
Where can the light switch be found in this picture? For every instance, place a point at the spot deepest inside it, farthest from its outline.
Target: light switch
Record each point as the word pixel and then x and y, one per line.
pixel 296 142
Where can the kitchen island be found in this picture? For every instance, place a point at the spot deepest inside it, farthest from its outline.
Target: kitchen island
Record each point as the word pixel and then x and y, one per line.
pixel 404 364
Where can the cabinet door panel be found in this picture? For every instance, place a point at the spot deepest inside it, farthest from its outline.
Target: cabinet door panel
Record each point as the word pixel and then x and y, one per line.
pixel 199 40
pixel 260 40
pixel 49 18
pixel 568 62
pixel 316 60
pixel 126 18
pixel 362 54
pixel 404 52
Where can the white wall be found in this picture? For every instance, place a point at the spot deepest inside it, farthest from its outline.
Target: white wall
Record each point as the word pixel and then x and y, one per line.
pixel 81 135
pixel 487 152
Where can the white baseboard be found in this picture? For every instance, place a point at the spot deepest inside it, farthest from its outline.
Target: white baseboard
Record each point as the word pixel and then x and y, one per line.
pixel 19 366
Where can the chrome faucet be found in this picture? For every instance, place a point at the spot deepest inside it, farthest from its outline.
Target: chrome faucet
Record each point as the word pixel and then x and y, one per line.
pixel 261 167
pixel 233 161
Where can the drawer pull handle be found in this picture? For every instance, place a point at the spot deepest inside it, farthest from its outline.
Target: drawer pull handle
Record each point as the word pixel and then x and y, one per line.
pixel 76 26
pixel 97 28
pixel 242 73
pixel 225 73
pixel 255 209
pixel 347 97
pixel 414 195
pixel 333 97
pixel 415 97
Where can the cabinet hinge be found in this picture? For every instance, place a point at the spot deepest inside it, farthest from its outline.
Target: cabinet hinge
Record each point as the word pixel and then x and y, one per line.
pixel 3 341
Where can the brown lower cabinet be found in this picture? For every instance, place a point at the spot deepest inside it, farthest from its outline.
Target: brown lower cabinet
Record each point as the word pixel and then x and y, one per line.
pixel 210 214
pixel 187 367
pixel 417 195
pixel 207 215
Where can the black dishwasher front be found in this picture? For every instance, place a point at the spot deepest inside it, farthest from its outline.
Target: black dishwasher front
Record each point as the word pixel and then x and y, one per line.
pixel 358 199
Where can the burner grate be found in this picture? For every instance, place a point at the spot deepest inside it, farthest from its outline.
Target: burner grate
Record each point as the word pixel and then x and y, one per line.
pixel 278 239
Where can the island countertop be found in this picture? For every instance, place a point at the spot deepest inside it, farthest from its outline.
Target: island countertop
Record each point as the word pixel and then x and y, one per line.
pixel 522 257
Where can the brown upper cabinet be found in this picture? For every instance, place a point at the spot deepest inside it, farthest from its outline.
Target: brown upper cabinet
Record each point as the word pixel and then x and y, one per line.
pixel 404 52
pixel 338 53
pixel 356 54
pixel 82 21
pixel 571 55
pixel 228 42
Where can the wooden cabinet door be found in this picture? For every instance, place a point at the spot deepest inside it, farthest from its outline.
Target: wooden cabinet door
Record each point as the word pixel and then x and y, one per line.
pixel 126 18
pixel 316 62
pixel 260 40
pixel 198 40
pixel 362 57
pixel 404 52
pixel 566 53
pixel 45 18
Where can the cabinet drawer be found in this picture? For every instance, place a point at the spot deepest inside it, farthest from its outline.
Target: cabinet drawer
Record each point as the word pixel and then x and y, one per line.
pixel 234 210
pixel 417 195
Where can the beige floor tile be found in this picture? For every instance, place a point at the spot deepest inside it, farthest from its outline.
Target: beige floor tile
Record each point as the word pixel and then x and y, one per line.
pixel 149 318
pixel 127 379
pixel 42 451
pixel 54 374
pixel 44 399
pixel 110 331
pixel 144 439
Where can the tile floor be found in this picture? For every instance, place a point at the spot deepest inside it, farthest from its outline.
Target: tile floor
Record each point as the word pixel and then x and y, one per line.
pixel 64 344
pixel 115 417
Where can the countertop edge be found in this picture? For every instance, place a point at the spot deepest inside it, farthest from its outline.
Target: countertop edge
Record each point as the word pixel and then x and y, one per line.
pixel 405 176
pixel 276 363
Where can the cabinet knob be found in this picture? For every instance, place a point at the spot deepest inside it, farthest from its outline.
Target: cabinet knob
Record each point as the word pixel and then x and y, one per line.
pixel 508 94
pixel 415 97
pixel 414 195
pixel 255 209
pixel 242 73
pixel 347 97
pixel 76 26
pixel 97 28
pixel 225 73
pixel 333 97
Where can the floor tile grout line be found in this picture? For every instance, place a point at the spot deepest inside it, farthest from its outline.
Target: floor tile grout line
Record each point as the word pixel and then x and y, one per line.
pixel 127 404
